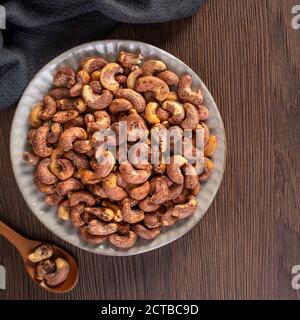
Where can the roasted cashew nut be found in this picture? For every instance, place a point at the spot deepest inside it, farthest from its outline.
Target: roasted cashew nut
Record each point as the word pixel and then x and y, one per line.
pixel 134 176
pixel 64 77
pixel 203 113
pixel 53 199
pixel 140 192
pixel 151 113
pixel 211 146
pixel 71 184
pixel 162 192
pixel 97 190
pixel 96 86
pixel 185 210
pixel 208 170
pixel 128 59
pixel 61 273
pixel 114 192
pixel 82 78
pixel 42 252
pixel 150 83
pixel 31 158
pixel 82 196
pixel 169 77
pixel 173 169
pixel 133 75
pixel 35 115
pixel 96 101
pixel 152 220
pixel 136 128
pixel 120 105
pixel 135 98
pixel 83 146
pixel 167 219
pixel 76 215
pixel 43 268
pixel 39 142
pixel 123 242
pixel 94 240
pixel 80 161
pixel 43 173
pixel 64 116
pixel 49 108
pixel 147 205
pixel 186 93
pixel 153 66
pixel 176 109
pixel 69 136
pixel 89 177
pixel 145 233
pixel 105 214
pixel 115 208
pixel 191 119
pixel 107 76
pixel 191 176
pixel 59 93
pixel 56 130
pixel 100 228
pixel 91 64
pixel 44 188
pixel 105 163
pixel 130 215
pixel 63 210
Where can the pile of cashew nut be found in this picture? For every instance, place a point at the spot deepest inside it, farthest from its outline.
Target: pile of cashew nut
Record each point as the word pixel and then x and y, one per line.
pixel 50 271
pixel 109 200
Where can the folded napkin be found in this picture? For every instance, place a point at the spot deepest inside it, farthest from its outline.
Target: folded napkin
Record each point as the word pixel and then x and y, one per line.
pixel 38 30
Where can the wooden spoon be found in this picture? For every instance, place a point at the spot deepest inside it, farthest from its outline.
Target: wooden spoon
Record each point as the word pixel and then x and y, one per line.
pixel 26 246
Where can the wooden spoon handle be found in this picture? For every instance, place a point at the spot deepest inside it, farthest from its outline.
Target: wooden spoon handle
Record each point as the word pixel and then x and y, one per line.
pixel 18 241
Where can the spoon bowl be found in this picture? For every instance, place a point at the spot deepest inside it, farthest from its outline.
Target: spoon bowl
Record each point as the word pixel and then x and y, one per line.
pixel 26 246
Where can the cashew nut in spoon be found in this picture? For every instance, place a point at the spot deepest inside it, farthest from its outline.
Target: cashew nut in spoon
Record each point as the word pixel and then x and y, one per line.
pixel 34 253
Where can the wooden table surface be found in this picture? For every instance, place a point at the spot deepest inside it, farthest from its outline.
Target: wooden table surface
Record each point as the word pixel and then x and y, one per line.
pixel 247 53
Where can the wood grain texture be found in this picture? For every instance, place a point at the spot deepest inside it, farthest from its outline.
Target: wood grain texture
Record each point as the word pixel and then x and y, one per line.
pixel 244 248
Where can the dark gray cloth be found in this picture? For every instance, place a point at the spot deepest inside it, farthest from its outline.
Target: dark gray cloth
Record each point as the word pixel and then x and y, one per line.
pixel 38 30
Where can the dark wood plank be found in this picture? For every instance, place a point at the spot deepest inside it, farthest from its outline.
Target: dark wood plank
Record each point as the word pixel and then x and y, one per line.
pixel 247 54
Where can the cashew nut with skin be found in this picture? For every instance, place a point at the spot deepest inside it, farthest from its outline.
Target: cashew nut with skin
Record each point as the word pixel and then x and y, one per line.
pixel 35 115
pixel 169 77
pixel 123 242
pixel 191 119
pixel 114 192
pixel 105 214
pixel 60 93
pixel 203 113
pixel 64 116
pixel 69 136
pixel 71 184
pixel 96 101
pixel 91 64
pixel 140 192
pixel 162 192
pixel 150 113
pixel 191 176
pixel 39 142
pixel 152 219
pixel 82 146
pixel 186 93
pixel 173 169
pixel 94 240
pixel 45 188
pixel 145 233
pixel 133 75
pixel 76 215
pixel 60 275
pixel 134 176
pixel 146 205
pixel 80 161
pixel 82 78
pixel 31 158
pixel 43 173
pixel 130 215
pixel 42 252
pixel 135 98
pixel 105 163
pixel 115 208
pixel 100 228
pixel 185 210
pixel 120 105
pixel 43 268
pixel 82 196
pixel 107 76
pixel 211 146
pixel 152 66
pixel 56 130
pixel 150 83
pixel 63 210
pixel 53 199
pixel 176 109
pixel 49 108
pixel 128 59
pixel 64 77
pixel 208 170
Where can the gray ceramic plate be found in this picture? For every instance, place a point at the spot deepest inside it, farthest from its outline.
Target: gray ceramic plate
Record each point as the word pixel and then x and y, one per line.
pixel 38 88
